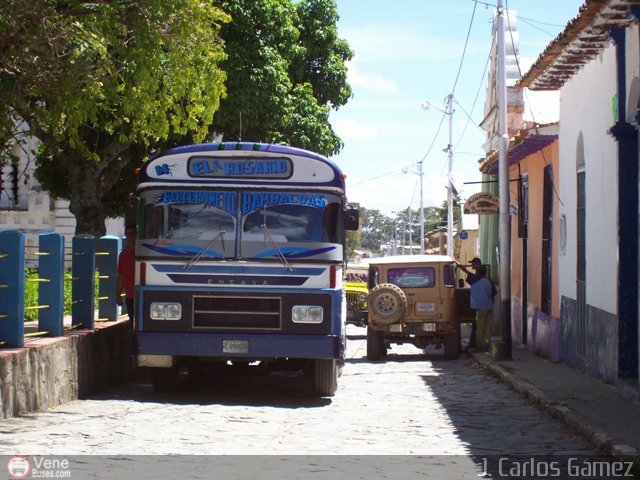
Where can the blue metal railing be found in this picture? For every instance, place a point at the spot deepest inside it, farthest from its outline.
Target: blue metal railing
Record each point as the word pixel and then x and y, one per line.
pixel 89 255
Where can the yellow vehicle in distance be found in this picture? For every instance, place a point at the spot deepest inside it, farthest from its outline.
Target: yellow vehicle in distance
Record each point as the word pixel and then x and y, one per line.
pixel 356 293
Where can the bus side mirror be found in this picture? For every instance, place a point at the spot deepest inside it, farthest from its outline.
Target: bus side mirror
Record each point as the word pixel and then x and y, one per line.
pixel 351 218
pixel 131 213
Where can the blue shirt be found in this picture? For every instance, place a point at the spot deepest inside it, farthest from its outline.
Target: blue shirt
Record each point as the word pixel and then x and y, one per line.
pixel 482 294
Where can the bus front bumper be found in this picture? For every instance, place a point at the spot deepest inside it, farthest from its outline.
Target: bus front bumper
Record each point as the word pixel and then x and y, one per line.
pixel 158 349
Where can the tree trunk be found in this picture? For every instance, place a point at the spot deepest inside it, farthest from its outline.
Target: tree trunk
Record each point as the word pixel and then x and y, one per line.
pixel 86 198
pixel 91 180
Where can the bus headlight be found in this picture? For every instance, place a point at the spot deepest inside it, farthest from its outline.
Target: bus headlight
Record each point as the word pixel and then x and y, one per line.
pixel 307 314
pixel 165 311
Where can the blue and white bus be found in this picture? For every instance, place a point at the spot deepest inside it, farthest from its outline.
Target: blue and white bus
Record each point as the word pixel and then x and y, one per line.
pixel 239 258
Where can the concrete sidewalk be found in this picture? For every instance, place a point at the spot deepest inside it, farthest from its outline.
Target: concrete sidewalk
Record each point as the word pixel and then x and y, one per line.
pixel 606 415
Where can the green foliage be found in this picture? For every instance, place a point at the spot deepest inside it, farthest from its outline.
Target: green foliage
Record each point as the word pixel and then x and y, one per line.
pixel 352 244
pixel 376 228
pixel 31 293
pixel 285 70
pixel 323 64
pixel 134 70
pixel 438 215
pixel 98 82
pixel 103 84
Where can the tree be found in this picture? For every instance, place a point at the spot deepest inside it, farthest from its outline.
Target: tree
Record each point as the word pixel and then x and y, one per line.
pixel 352 244
pixel 104 84
pixel 99 82
pixel 434 217
pixel 375 228
pixel 285 70
pixel 441 213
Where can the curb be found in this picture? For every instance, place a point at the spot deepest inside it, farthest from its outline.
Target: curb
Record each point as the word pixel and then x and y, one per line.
pixel 597 437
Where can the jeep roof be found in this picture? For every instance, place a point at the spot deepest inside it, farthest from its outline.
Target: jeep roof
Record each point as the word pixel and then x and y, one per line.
pixel 408 259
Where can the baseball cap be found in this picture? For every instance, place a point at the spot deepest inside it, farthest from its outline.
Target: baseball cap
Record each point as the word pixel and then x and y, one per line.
pixel 476 261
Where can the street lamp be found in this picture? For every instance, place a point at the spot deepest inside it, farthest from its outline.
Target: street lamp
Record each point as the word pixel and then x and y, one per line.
pixel 449 111
pixel 420 174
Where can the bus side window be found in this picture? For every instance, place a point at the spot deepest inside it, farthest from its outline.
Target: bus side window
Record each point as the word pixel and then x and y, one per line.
pixel 330 231
pixel 153 224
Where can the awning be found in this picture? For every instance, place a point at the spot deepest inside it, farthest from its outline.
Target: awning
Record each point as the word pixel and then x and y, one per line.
pixel 520 147
pixel 583 38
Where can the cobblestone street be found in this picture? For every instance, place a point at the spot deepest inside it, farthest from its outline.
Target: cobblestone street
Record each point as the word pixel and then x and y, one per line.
pixel 409 404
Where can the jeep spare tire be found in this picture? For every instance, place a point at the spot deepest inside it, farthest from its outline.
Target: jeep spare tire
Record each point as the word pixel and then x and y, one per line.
pixel 387 303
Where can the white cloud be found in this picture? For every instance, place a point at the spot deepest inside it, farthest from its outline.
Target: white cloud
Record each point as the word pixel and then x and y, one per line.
pixel 371 82
pixel 351 129
pixel 399 42
pixel 395 191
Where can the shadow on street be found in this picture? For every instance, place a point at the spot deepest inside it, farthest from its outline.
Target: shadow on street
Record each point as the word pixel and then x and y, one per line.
pixel 230 385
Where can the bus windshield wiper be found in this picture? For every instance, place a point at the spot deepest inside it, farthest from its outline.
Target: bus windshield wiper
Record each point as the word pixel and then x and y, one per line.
pixel 267 236
pixel 201 253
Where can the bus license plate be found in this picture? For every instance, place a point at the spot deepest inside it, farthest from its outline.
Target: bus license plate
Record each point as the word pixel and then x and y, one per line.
pixel 235 346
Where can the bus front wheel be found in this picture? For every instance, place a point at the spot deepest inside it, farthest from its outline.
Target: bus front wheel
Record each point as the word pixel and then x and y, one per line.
pixel 325 377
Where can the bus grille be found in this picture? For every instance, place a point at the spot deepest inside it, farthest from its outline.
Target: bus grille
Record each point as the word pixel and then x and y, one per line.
pixel 237 313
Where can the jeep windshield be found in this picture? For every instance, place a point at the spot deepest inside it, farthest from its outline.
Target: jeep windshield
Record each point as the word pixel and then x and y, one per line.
pixel 412 277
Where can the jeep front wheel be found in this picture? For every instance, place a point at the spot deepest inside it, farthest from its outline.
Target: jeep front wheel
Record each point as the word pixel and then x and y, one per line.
pixel 387 303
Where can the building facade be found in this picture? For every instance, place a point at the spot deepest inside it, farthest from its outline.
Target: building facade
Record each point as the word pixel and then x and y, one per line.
pixel 594 65
pixel 26 207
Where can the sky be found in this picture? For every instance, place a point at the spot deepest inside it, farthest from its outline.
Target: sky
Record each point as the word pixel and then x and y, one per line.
pixel 409 52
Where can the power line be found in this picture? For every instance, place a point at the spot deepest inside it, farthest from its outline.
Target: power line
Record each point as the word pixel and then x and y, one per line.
pixel 527 20
pixel 466 43
pixel 377 177
pixel 528 102
pixel 480 84
pixel 435 137
pixel 464 50
pixel 538 28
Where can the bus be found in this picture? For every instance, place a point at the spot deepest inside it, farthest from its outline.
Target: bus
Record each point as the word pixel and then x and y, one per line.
pixel 239 261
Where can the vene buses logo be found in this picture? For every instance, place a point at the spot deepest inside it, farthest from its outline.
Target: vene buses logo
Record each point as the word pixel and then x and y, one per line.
pixel 18 467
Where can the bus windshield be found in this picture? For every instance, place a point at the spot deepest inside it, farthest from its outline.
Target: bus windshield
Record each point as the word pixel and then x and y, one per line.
pixel 262 225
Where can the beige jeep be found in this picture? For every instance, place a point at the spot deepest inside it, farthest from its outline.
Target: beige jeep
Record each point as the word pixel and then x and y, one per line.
pixel 412 299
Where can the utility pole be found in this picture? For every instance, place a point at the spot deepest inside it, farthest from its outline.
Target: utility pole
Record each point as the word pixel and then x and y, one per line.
pixel 410 222
pixel 503 189
pixel 448 111
pixel 450 186
pixel 420 173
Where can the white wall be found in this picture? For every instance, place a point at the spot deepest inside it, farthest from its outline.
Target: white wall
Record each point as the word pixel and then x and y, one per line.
pixel 586 107
pixel 633 71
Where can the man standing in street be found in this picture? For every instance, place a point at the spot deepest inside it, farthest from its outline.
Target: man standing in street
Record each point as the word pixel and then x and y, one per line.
pixel 125 281
pixel 482 292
